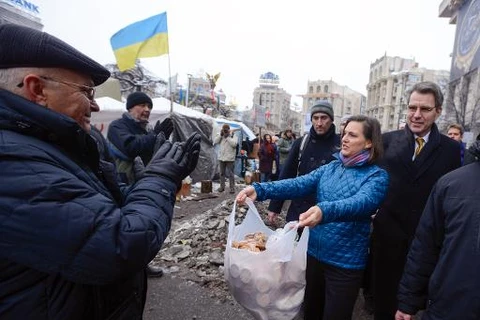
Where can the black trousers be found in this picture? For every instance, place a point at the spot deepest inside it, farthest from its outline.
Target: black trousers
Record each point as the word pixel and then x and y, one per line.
pixel 331 292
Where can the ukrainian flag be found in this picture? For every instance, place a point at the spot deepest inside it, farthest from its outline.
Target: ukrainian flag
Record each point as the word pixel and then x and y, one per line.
pixel 142 39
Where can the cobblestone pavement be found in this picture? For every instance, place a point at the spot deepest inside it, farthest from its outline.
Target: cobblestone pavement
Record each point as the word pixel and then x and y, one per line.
pixel 193 290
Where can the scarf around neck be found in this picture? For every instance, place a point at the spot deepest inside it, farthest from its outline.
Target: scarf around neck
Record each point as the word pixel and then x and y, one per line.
pixel 356 160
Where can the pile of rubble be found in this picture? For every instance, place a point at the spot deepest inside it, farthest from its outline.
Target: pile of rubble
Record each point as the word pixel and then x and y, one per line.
pixel 194 249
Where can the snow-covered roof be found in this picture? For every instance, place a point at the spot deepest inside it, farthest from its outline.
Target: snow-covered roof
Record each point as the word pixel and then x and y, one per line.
pixel 110 104
pixel 160 106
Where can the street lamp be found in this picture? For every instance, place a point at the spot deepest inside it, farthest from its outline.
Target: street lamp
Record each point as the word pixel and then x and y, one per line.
pixel 188 89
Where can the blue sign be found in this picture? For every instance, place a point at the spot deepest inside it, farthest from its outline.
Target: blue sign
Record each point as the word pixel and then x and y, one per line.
pixel 466 55
pixel 28 6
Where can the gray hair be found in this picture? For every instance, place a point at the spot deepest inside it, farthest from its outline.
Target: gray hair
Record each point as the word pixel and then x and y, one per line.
pixel 10 78
pixel 428 87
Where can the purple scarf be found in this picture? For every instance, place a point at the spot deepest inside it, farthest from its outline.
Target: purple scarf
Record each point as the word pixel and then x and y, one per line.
pixel 357 160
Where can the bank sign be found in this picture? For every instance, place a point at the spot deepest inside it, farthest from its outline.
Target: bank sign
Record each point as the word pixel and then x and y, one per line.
pixel 25 6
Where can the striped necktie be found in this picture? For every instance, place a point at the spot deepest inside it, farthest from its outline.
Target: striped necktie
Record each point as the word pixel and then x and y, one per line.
pixel 420 144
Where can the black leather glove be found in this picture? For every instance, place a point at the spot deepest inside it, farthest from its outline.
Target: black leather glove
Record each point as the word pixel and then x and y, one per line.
pixel 138 165
pixel 158 142
pixel 175 161
pixel 192 146
pixel 166 126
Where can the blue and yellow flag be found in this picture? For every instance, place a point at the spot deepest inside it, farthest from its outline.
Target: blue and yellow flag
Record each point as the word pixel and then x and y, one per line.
pixel 142 39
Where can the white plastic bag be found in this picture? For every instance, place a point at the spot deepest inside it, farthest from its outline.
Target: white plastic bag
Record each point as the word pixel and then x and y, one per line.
pixel 270 284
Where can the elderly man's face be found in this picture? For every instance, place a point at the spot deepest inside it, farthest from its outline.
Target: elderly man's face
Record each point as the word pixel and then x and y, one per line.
pixel 141 112
pixel 69 93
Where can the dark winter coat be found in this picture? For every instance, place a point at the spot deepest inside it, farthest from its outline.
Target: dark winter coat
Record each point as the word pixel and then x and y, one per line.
pixel 68 249
pixel 129 139
pixel 472 154
pixel 411 181
pixel 441 272
pixel 318 150
pixel 267 154
pixel 410 184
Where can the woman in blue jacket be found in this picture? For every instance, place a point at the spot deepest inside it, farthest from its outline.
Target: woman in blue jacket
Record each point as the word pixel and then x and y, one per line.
pixel 349 190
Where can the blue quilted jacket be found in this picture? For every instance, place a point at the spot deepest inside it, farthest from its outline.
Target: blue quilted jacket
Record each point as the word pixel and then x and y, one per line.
pixel 347 196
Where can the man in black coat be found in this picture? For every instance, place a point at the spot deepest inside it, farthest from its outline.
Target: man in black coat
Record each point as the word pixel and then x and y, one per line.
pixel 74 243
pixel 307 154
pixel 415 159
pixel 442 266
pixel 131 137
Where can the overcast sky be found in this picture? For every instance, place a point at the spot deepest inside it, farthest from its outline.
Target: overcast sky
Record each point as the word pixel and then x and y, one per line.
pixel 298 40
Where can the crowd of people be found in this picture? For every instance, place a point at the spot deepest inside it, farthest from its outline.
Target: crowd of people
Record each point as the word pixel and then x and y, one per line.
pixel 81 215
pixel 379 218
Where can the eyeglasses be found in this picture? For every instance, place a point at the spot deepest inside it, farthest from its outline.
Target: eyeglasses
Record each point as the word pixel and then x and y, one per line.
pixel 423 110
pixel 89 91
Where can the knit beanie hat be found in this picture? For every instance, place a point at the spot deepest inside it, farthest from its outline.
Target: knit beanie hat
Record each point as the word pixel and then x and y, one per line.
pixel 322 106
pixel 137 98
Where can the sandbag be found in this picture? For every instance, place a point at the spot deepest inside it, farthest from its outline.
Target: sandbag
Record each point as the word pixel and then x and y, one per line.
pixel 270 284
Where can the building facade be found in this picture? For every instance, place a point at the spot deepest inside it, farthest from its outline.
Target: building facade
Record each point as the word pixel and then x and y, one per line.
pixel 345 101
pixel 463 98
pixel 25 13
pixel 391 78
pixel 276 102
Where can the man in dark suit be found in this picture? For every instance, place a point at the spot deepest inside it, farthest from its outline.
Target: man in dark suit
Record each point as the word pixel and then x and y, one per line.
pixel 415 158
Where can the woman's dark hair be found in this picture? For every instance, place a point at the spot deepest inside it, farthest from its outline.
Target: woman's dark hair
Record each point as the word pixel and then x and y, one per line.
pixel 372 132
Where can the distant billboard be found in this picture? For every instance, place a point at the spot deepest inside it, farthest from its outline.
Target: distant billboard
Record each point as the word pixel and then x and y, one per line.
pixel 259 116
pixel 466 53
pixel 24 5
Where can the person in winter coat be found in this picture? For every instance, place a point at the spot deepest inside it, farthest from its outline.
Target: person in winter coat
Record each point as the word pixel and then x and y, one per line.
pixel 441 272
pixel 266 155
pixel 227 154
pixel 347 190
pixel 455 132
pixel 308 153
pixel 415 158
pixel 284 145
pixel 74 243
pixel 131 137
pixel 472 154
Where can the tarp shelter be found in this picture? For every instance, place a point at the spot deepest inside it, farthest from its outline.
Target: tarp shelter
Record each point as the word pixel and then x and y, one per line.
pixel 186 121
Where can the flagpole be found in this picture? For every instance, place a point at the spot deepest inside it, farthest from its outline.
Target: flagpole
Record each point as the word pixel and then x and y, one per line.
pixel 170 82
pixel 169 71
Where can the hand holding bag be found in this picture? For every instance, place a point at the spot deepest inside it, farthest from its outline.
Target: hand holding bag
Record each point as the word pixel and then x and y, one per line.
pixel 270 284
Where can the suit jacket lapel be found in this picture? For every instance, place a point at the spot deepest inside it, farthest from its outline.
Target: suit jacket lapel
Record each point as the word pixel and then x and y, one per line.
pixel 424 160
pixel 403 146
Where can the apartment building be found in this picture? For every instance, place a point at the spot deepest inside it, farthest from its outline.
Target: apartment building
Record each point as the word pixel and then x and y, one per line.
pixel 276 102
pixel 345 101
pixel 391 78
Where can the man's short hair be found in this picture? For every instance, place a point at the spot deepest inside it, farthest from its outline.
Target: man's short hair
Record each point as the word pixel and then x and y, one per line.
pixel 455 126
pixel 428 87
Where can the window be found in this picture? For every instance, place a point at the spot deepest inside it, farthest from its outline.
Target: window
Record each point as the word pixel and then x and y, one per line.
pixel 319 89
pixel 325 89
pixel 310 90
